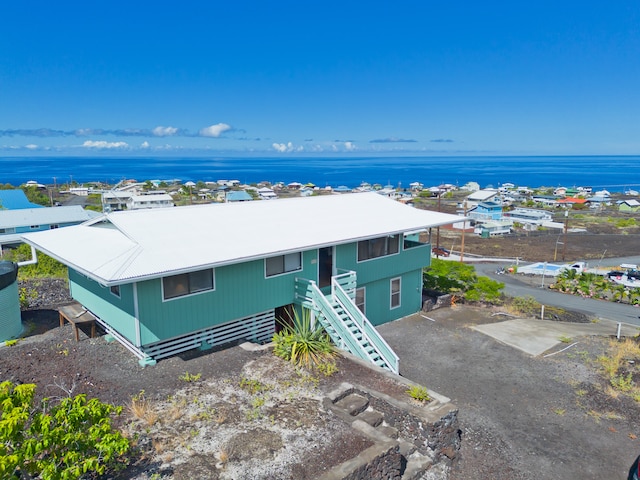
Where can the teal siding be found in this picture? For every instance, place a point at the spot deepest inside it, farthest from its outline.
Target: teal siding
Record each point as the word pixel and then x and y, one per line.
pixel 240 290
pixel 378 297
pixel 117 312
pixel 376 274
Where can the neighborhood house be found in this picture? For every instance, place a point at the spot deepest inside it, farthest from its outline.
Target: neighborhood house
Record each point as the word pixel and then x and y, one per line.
pixel 166 280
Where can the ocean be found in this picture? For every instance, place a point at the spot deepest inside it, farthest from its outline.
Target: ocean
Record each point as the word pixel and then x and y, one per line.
pixel 614 173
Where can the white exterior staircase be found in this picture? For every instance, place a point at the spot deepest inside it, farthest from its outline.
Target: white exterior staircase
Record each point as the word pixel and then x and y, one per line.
pixel 347 326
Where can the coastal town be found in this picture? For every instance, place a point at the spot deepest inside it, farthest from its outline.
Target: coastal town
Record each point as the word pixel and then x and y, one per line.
pixel 490 212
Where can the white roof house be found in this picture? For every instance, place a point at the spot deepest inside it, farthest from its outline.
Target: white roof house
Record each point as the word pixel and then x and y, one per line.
pixel 13 223
pixel 481 196
pixel 150 200
pixel 134 245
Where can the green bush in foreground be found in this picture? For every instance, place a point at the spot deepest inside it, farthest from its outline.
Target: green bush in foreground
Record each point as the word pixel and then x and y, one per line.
pixel 62 441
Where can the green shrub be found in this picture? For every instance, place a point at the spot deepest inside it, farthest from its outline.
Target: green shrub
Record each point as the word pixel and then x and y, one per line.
pixel 46 267
pixel 301 343
pixel 66 440
pixel 458 278
pixel 624 383
pixel 25 297
pixel 527 305
pixel 418 393
pixel 626 222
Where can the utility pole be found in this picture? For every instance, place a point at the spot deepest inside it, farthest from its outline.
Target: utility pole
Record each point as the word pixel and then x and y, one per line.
pixel 464 227
pixel 564 245
pixel 438 228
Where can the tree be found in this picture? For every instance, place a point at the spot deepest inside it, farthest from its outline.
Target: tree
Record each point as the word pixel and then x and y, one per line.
pixel 56 441
pixel 459 278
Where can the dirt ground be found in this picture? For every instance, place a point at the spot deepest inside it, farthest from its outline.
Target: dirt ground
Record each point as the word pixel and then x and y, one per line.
pixel 522 417
pixel 227 413
pixel 542 247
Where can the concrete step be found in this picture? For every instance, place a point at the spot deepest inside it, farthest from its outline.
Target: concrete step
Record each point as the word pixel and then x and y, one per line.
pixel 406 448
pixel 353 404
pixel 417 465
pixel 388 431
pixel 372 417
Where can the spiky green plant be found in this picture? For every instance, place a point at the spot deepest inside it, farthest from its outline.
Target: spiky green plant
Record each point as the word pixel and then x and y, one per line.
pixel 301 342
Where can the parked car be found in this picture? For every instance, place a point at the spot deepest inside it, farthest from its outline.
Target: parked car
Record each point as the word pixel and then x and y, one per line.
pixel 635 274
pixel 440 252
pixel 615 274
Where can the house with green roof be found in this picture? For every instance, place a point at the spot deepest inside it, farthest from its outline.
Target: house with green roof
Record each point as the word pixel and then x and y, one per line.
pixel 163 281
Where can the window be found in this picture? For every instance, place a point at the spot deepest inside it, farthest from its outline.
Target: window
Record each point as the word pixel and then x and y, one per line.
pixel 378 247
pixel 395 292
pixel 361 299
pixel 115 289
pixel 187 283
pixel 53 226
pixel 292 262
pixel 34 227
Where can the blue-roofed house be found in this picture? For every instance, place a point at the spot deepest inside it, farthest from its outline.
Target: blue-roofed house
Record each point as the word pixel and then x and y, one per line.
pixel 15 200
pixel 237 196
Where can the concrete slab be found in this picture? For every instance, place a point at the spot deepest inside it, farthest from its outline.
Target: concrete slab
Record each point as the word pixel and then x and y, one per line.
pixel 537 336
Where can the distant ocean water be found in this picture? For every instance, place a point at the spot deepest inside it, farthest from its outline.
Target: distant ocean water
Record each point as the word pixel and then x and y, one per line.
pixel 615 173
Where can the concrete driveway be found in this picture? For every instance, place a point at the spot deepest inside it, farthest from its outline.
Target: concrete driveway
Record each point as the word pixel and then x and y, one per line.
pixel 537 336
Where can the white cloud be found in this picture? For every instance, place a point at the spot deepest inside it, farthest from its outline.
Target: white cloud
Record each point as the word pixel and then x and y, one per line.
pixel 214 130
pixel 287 147
pixel 104 144
pixel 350 146
pixel 144 144
pixel 31 146
pixel 164 131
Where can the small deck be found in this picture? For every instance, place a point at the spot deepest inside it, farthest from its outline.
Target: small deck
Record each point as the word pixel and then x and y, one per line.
pixel 77 316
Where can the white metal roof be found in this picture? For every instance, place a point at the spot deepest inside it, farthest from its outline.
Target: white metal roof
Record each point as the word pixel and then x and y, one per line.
pixel 44 216
pixel 142 244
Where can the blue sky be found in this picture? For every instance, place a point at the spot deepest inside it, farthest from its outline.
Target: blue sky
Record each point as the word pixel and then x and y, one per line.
pixel 320 78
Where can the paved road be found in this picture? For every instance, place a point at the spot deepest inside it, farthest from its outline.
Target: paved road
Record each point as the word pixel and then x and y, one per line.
pixel 616 312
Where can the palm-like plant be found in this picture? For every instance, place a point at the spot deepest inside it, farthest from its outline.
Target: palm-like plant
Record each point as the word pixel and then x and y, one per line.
pixel 301 342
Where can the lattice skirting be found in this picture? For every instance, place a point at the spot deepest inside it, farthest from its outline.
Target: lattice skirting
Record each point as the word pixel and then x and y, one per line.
pixel 257 328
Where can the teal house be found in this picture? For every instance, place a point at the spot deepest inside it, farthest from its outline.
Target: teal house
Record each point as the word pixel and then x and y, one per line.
pixel 163 281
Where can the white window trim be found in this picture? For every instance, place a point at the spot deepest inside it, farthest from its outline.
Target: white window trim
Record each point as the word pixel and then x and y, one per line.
pixel 283 273
pixel 117 295
pixel 213 274
pixel 391 306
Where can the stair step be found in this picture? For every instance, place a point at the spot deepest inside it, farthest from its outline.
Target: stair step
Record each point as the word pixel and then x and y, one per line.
pixel 388 431
pixel 416 467
pixel 406 448
pixel 372 417
pixel 353 404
